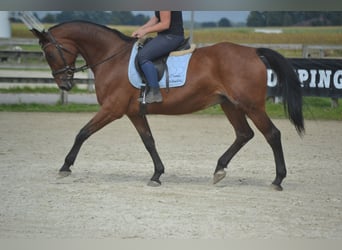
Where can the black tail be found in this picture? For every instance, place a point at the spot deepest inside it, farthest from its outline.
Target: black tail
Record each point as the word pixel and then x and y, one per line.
pixel 289 85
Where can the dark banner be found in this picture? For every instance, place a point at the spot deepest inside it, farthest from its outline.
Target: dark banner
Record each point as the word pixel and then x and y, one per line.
pixel 319 77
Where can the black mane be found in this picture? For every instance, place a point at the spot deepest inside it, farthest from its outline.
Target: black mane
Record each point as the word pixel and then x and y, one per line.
pixel 118 33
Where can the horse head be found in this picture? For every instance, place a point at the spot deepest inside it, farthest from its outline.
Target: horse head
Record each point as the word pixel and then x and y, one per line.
pixel 61 57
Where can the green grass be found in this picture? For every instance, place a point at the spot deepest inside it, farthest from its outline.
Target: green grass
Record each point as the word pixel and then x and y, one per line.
pixel 294 35
pixel 320 108
pixel 49 108
pixel 36 90
pixel 17 90
pixel 314 108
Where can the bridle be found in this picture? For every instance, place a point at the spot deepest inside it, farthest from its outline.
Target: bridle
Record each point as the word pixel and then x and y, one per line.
pixel 70 70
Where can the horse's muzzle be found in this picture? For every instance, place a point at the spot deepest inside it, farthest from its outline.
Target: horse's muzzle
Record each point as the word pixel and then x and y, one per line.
pixel 66 85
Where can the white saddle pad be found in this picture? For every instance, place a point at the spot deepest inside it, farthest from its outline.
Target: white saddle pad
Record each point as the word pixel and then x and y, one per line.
pixel 177 66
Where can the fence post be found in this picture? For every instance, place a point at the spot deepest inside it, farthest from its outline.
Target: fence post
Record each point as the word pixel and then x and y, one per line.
pixel 278 99
pixel 91 86
pixel 305 51
pixel 64 97
pixel 334 102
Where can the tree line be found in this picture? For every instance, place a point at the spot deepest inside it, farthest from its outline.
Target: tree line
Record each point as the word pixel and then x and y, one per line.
pixel 254 19
pixel 291 18
pixel 115 18
pixel 101 17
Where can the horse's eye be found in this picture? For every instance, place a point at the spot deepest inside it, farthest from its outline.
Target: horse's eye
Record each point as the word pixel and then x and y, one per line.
pixel 49 55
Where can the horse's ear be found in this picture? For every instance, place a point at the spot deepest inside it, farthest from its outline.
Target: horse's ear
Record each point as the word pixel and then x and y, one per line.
pixel 37 33
pixel 41 35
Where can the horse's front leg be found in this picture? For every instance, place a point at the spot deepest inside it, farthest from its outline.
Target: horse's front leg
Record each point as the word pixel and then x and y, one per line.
pixel 102 118
pixel 141 124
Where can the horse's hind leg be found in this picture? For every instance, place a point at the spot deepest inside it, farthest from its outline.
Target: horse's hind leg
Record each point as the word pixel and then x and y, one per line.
pixel 141 124
pixel 273 137
pixel 243 134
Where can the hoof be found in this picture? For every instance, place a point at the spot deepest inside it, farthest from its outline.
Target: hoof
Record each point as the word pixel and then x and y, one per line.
pixel 276 187
pixel 63 174
pixel 219 175
pixel 154 183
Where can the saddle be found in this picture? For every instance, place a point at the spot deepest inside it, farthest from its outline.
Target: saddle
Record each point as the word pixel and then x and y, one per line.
pixel 160 63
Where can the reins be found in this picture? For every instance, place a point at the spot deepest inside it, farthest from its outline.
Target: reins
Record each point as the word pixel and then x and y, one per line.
pixel 86 66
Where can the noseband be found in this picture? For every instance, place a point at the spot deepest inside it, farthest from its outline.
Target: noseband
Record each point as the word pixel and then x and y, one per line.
pixel 70 70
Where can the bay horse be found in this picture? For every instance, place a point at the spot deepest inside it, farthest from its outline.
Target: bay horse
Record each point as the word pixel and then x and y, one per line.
pixel 227 74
